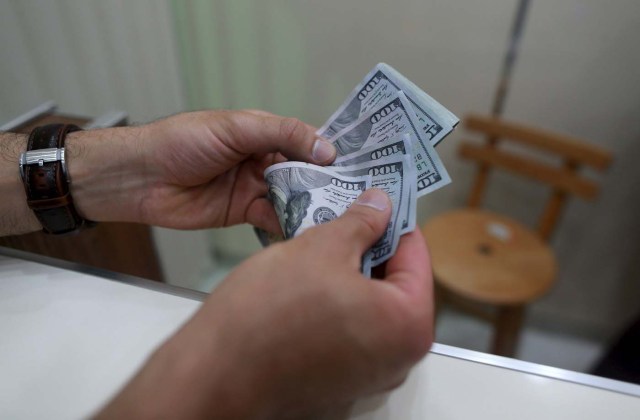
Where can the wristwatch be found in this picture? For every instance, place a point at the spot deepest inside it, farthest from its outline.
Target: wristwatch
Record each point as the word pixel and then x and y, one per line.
pixel 46 181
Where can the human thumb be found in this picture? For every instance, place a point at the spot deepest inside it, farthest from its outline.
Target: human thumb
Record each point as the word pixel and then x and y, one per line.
pixel 363 223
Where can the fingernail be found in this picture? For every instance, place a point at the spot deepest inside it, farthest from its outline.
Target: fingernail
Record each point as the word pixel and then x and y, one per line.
pixel 375 199
pixel 322 151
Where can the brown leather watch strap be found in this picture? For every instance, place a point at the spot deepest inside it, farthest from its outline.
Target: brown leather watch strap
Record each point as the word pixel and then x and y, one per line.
pixel 46 182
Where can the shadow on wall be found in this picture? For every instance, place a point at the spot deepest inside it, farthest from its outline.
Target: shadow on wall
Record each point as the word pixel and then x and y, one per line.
pixel 600 295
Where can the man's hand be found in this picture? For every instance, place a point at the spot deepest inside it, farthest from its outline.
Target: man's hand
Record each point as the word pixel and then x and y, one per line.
pixel 296 329
pixel 194 170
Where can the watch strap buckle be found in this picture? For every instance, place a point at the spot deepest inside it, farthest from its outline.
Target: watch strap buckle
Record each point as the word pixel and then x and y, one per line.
pixel 44 173
pixel 41 156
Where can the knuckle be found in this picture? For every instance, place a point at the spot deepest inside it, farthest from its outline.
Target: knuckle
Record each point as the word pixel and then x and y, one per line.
pixel 420 345
pixel 418 336
pixel 315 237
pixel 207 114
pixel 411 329
pixel 305 239
pixel 396 382
pixel 291 128
pixel 253 111
pixel 278 252
pixel 366 223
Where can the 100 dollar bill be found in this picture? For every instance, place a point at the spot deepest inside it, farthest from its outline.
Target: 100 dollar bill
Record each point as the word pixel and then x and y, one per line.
pixel 391 177
pixel 306 195
pixel 435 121
pixel 390 120
pixel 387 151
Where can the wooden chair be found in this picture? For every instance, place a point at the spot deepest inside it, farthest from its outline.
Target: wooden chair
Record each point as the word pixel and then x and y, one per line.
pixel 489 264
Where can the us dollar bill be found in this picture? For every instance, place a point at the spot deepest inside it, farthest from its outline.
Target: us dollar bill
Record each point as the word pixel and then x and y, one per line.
pixel 389 176
pixel 447 117
pixel 435 121
pixel 391 119
pixel 391 148
pixel 306 195
pixel 387 151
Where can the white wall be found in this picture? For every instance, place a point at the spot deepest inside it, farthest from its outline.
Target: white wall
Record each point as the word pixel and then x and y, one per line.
pixel 91 57
pixel 578 73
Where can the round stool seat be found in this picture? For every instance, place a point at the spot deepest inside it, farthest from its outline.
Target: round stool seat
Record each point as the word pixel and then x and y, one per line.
pixel 490 258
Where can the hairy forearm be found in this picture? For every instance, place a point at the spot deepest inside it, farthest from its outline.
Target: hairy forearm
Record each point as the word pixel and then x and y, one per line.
pixel 15 215
pixel 107 172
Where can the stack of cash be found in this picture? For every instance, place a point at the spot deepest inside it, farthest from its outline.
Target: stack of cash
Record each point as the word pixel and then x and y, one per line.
pixel 385 133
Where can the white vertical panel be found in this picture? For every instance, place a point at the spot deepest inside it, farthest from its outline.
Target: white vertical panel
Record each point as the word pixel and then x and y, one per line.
pixel 89 57
pixel 50 47
pixel 88 48
pixel 19 82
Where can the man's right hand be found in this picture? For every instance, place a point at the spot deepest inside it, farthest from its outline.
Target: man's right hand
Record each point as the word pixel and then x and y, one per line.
pixel 296 329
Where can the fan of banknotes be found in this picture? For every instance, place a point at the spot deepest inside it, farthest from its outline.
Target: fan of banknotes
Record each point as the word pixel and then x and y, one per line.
pixel 385 133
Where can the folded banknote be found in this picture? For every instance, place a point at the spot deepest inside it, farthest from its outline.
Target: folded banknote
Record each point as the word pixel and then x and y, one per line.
pixel 385 133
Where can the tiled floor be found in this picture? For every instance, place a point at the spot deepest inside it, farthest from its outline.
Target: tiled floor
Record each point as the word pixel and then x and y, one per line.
pixel 456 329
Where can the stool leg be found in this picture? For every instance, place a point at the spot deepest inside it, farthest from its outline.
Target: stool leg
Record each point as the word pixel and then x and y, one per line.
pixel 507 330
pixel 439 300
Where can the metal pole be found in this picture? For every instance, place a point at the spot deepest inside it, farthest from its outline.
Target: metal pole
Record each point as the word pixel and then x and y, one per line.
pixel 510 57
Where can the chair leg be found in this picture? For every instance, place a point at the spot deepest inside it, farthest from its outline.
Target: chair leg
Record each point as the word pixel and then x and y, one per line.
pixel 507 330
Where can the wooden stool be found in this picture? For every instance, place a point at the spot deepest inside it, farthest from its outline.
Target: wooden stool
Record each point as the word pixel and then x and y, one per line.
pixel 483 260
pixel 485 257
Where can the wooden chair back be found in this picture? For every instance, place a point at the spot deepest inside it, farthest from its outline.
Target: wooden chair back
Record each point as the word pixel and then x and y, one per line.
pixel 564 179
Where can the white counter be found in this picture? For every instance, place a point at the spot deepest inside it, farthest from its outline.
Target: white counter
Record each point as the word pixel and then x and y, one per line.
pixel 71 338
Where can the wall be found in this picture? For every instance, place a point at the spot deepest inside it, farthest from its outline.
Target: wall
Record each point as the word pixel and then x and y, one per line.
pixel 89 57
pixel 577 74
pixel 92 57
